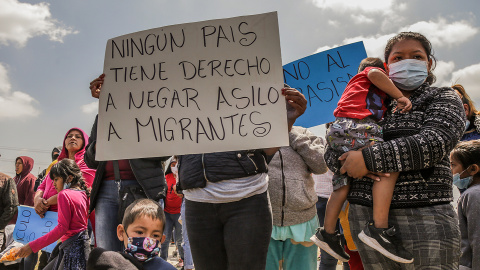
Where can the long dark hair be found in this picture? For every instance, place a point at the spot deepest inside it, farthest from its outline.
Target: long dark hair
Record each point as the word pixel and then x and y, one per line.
pixel 425 44
pixel 67 167
pixel 467 153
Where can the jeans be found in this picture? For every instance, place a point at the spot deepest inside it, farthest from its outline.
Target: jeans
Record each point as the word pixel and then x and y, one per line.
pixel 106 215
pixel 187 253
pixel 171 222
pixel 327 262
pixel 233 236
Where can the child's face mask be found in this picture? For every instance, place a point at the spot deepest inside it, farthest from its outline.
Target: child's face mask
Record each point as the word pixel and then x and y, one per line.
pixel 142 248
pixel 462 183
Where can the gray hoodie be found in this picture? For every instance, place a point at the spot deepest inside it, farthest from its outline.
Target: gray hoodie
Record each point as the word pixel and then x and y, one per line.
pixel 469 216
pixel 291 186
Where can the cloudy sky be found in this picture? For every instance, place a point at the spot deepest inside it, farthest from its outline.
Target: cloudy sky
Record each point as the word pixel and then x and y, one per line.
pixel 50 51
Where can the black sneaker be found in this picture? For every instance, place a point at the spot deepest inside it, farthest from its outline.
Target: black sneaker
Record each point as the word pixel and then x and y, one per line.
pixel 330 243
pixel 386 242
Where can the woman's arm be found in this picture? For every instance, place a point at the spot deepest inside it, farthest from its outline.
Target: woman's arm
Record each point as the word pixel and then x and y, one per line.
pixel 310 147
pixel 442 127
pixel 39 203
pixel 91 147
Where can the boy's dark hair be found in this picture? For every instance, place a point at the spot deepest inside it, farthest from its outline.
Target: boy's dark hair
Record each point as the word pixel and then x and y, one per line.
pixel 467 153
pixel 143 207
pixel 371 62
pixel 67 167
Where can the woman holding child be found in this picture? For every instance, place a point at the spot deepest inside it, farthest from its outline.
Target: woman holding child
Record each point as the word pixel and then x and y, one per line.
pixel 416 144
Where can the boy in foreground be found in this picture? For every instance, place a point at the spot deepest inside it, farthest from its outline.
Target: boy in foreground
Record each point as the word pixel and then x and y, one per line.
pixel 141 232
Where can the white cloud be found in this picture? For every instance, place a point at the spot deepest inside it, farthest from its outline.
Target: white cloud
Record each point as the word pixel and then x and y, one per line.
pixel 90 107
pixel 440 33
pixel 360 18
pixel 369 6
pixel 325 48
pixel 468 77
pixel 374 45
pixel 443 72
pixel 333 23
pixel 443 33
pixel 14 104
pixel 22 21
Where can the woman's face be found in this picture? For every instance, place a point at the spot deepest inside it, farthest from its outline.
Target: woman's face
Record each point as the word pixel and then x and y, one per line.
pixel 408 49
pixel 455 165
pixel 18 166
pixel 74 141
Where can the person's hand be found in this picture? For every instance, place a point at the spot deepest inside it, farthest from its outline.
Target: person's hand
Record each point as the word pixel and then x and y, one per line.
pixel 404 104
pixel 355 167
pixel 175 191
pixel 24 251
pixel 41 206
pixel 96 86
pixel 296 104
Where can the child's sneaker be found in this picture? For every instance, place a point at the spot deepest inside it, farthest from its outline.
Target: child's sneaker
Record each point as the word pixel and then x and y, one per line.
pixel 330 243
pixel 386 242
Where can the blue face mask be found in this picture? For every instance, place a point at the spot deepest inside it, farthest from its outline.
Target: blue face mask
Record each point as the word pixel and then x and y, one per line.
pixel 66 185
pixel 408 74
pixel 462 183
pixel 142 248
pixel 467 125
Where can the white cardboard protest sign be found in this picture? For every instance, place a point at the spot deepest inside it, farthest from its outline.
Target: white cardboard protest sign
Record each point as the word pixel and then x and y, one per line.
pixel 200 87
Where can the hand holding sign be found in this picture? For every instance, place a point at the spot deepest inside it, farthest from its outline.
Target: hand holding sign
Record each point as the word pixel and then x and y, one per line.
pixel 30 226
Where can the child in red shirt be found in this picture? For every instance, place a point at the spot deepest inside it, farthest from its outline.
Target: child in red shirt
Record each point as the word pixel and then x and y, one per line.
pixel 358 111
pixel 73 250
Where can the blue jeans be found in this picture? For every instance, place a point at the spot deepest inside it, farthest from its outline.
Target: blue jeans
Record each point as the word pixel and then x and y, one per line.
pixel 187 253
pixel 106 215
pixel 327 262
pixel 233 236
pixel 171 222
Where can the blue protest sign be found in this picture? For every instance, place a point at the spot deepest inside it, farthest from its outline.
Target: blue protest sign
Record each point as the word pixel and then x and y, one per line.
pixel 322 78
pixel 31 226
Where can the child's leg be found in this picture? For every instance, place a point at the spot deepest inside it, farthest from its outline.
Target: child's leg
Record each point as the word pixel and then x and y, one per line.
pixel 382 193
pixel 334 206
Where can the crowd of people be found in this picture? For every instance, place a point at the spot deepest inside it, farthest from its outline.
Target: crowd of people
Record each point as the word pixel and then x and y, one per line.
pixel 374 193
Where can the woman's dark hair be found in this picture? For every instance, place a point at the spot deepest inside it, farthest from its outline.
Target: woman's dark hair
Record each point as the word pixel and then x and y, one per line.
pixel 425 43
pixel 466 100
pixel 67 167
pixel 467 153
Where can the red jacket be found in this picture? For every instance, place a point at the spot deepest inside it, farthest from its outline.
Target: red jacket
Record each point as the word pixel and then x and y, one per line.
pixel 25 182
pixel 172 201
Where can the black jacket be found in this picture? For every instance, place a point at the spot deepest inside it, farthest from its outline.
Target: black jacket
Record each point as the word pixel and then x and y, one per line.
pixel 195 170
pixel 147 171
pixel 8 200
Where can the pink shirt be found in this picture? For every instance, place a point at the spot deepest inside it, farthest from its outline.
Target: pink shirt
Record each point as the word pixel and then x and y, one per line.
pixel 72 218
pixel 48 191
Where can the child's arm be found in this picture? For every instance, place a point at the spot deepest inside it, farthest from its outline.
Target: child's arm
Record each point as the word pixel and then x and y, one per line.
pixel 381 80
pixel 64 218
